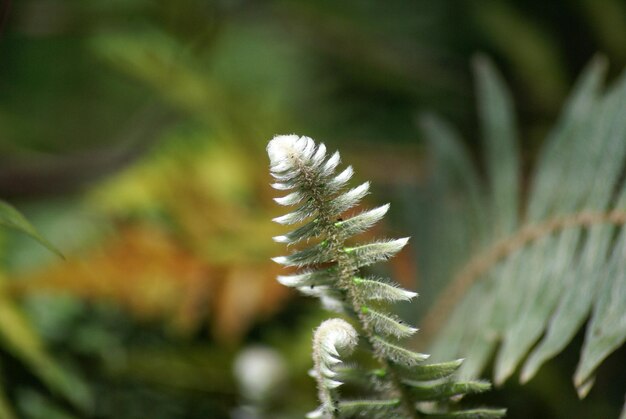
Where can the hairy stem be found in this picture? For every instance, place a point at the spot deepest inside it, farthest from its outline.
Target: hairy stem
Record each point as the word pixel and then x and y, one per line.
pixel 347 270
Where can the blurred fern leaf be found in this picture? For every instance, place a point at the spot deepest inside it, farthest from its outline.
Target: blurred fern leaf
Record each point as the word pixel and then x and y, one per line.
pixel 12 218
pixel 6 411
pixel 20 339
pixel 527 274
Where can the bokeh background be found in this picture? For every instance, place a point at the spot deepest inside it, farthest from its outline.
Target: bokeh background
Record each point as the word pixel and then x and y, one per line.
pixel 132 135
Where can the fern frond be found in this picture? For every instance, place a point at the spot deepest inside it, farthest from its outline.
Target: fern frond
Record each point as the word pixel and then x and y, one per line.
pixel 524 277
pixel 331 336
pixel 332 274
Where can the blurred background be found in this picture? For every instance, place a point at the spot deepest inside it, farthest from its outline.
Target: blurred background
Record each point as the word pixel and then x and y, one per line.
pixel 132 135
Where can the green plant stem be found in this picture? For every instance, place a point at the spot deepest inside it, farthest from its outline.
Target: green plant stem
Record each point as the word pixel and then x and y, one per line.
pixel 347 271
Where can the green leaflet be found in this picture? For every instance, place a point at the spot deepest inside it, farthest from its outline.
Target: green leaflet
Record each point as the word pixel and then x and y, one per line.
pixel 369 408
pixel 398 354
pixel 361 377
pixel 387 324
pixel 310 278
pixel 501 154
pixel 447 389
pixel 468 414
pixel 377 289
pixel 361 222
pixel 429 372
pixel 320 253
pixel 307 231
pixel 368 254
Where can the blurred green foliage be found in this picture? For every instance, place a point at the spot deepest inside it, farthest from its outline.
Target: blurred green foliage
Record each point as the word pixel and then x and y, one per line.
pixel 132 135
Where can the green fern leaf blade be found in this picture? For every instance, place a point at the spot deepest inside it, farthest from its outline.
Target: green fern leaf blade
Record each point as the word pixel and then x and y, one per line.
pixel 576 114
pixel 332 163
pixel 347 200
pixel 575 305
pixel 291 199
pixel 499 133
pixel 312 278
pixel 450 155
pixel 314 255
pixel 369 408
pixel 354 375
pixel 378 290
pixel 481 346
pixel 371 253
pixel 447 233
pixel 308 231
pixel 446 390
pixel 387 324
pixel 429 372
pixel 283 186
pixel 361 222
pixel 607 329
pixel 359 376
pixel 537 299
pixel 304 212
pixel 469 323
pixel 323 292
pixel 484 413
pixel 338 182
pixel 398 354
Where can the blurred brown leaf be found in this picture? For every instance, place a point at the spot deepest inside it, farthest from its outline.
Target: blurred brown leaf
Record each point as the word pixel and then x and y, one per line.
pixel 150 274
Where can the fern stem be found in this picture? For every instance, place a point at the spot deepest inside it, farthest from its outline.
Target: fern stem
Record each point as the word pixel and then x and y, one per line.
pixel 501 250
pixel 347 270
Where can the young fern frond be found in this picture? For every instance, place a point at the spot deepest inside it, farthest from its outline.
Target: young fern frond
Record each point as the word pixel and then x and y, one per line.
pixel 331 336
pixel 404 386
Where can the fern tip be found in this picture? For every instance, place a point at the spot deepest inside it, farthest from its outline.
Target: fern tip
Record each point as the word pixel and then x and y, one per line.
pixel 283 146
